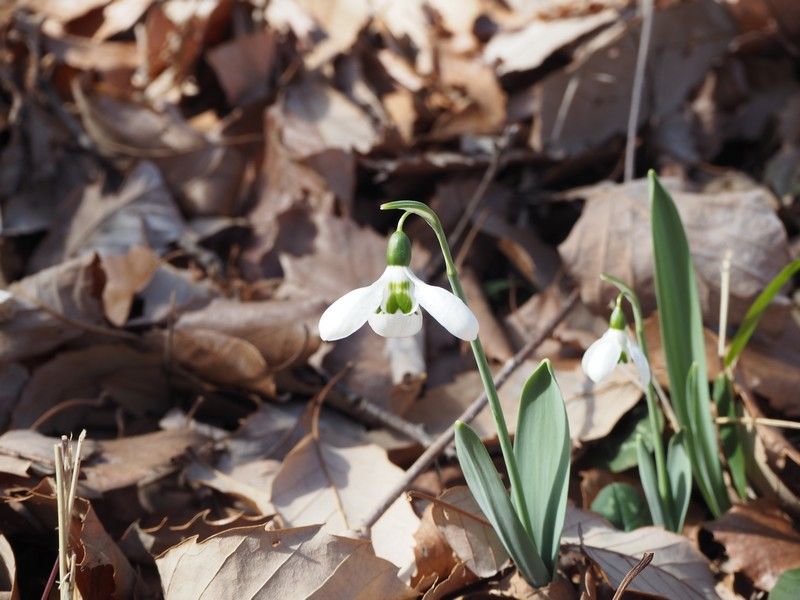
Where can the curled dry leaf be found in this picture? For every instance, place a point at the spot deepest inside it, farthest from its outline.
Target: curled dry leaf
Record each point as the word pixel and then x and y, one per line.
pixel 613 236
pixel 677 571
pixel 51 307
pixel 254 562
pixel 126 275
pixel 244 65
pixel 468 533
pixel 759 540
pixel 433 556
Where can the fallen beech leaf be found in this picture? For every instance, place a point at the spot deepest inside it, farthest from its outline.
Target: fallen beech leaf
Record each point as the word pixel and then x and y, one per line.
pixel 142 544
pixel 250 481
pixel 13 377
pixel 119 16
pixel 8 571
pixel 50 308
pixel 140 212
pixel 613 236
pixel 217 356
pixel 686 39
pixel 144 457
pixel 341 20
pixel 253 562
pixel 283 331
pixel 244 66
pixel 468 532
pixel 338 486
pixel 35 449
pixel 133 379
pixel 459 578
pixel 677 571
pixel 527 48
pixel 760 541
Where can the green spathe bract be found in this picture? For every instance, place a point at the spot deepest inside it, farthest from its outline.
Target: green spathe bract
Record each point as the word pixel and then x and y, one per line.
pixel 684 346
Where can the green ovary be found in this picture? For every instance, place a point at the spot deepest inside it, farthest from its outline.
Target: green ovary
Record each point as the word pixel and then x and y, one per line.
pixel 399 298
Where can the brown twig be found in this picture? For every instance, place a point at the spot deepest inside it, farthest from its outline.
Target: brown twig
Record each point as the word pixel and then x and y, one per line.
pixel 632 574
pixel 50 580
pixel 446 437
pixel 638 84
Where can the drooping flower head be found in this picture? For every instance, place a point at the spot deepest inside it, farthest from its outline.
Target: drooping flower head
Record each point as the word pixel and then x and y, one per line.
pixel 392 303
pixel 613 347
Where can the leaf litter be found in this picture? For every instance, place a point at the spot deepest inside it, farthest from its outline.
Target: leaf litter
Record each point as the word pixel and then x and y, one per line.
pixel 184 189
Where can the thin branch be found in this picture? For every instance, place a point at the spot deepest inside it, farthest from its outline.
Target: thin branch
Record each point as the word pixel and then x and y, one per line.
pixel 632 574
pixel 446 437
pixel 638 84
pixel 758 421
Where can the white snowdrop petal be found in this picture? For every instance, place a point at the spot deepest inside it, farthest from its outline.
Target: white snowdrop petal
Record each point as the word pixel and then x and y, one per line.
pixel 639 359
pixel 350 312
pixel 447 308
pixel 602 356
pixel 397 324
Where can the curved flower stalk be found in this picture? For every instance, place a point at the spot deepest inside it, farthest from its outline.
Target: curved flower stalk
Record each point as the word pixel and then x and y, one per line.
pixel 613 347
pixel 391 305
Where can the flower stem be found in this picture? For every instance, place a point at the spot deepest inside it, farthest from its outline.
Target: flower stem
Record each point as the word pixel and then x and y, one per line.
pixel 477 350
pixel 653 412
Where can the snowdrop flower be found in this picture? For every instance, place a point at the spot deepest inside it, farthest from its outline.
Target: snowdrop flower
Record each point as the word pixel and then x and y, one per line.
pixel 614 346
pixel 392 304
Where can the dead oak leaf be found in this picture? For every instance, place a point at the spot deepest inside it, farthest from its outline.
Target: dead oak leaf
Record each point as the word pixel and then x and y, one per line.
pixel 759 540
pixel 257 563
pixel 339 486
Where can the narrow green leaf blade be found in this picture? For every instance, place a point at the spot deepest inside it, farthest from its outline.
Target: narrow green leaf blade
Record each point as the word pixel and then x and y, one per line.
pixel 787 586
pixel 682 339
pixel 622 506
pixel 490 494
pixel 647 476
pixel 542 449
pixel 756 311
pixel 732 437
pixel 679 471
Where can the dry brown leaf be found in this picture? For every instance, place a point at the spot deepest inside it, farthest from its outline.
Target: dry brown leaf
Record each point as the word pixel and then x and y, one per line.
pixel 579 110
pixel 128 377
pixel 760 541
pixel 339 486
pixel 468 533
pixel 433 556
pixel 493 336
pixel 140 212
pixel 35 449
pixel 51 307
pixel 102 570
pixel 284 331
pixel 119 16
pixel 250 481
pixel 527 48
pixel 341 20
pixel 13 377
pixel 142 544
pixel 144 457
pixel 204 173
pixel 253 562
pixel 613 236
pixel 217 356
pixel 459 578
pixel 677 572
pixel 244 66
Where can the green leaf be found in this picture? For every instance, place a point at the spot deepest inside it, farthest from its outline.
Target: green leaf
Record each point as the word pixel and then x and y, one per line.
pixel 490 494
pixel 618 451
pixel 647 476
pixel 756 311
pixel 787 586
pixel 682 339
pixel 679 470
pixel 622 506
pixel 733 437
pixel 542 449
